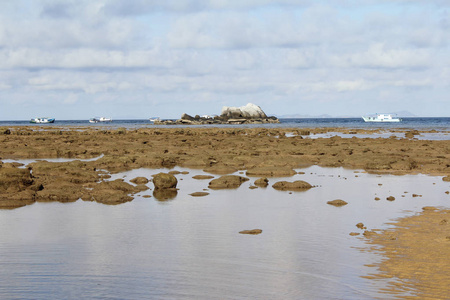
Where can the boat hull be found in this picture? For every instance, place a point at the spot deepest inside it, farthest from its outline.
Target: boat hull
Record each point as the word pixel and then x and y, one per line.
pixel 381 118
pixel 42 120
pixel 381 121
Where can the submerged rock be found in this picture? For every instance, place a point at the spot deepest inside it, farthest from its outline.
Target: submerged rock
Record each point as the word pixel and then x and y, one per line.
pixel 220 169
pixel 429 208
pixel 271 171
pixel 139 180
pixel 227 182
pixel 251 231
pixel 262 182
pixel 199 194
pixel 201 177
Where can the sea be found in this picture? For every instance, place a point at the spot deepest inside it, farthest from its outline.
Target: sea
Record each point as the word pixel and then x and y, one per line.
pixel 442 123
pixel 190 247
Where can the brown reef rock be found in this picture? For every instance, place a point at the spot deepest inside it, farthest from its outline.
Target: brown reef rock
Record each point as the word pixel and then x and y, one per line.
pixel 262 182
pixel 139 180
pixel 227 182
pixel 251 231
pixel 337 202
pixel 164 181
pixel 298 185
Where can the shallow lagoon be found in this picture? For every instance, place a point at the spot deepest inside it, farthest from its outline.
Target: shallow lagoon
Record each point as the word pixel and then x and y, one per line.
pixel 189 247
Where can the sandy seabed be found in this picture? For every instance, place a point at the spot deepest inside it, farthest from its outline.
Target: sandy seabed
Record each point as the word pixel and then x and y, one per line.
pixel 417 248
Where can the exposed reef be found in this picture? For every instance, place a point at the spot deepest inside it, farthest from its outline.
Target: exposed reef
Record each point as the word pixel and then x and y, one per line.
pixel 257 152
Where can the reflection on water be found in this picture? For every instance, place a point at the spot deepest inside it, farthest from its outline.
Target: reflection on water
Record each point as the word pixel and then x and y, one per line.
pixel 190 248
pixel 25 162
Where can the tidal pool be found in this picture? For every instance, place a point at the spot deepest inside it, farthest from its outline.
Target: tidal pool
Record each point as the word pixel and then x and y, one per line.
pixel 189 247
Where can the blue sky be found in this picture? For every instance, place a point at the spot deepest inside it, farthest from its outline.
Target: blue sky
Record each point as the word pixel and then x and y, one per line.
pixel 76 59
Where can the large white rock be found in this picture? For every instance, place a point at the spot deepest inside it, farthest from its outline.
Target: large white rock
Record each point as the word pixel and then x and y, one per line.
pixel 248 111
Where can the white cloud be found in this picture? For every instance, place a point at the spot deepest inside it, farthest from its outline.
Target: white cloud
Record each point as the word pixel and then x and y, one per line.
pixel 377 56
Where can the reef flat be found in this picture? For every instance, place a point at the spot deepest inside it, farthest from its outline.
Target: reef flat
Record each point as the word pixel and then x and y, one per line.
pixel 258 151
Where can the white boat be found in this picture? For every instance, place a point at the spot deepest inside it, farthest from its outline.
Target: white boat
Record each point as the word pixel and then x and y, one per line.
pixel 102 119
pixel 155 119
pixel 42 120
pixel 381 118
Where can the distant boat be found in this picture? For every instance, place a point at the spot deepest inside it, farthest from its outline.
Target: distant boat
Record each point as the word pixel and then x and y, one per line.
pixel 381 118
pixel 154 119
pixel 102 119
pixel 42 120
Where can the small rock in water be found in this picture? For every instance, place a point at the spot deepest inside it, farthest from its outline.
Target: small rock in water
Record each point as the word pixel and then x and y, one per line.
pixel 360 226
pixel 262 182
pixel 429 208
pixel 369 233
pixel 139 180
pixel 298 185
pixel 337 202
pixel 199 194
pixel 200 177
pixel 251 231
pixel 164 181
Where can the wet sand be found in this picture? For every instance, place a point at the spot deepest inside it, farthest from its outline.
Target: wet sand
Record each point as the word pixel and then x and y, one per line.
pixel 417 255
pixel 417 248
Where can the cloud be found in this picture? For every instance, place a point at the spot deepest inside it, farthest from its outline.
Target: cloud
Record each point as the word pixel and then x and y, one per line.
pixel 377 56
pixel 273 52
pixel 84 58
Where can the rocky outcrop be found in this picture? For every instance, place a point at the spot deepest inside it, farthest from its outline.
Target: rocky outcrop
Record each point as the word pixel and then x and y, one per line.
pixel 249 111
pixel 248 114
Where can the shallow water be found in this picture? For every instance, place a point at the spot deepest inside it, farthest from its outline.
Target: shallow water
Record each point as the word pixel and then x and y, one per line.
pixel 25 162
pixel 190 248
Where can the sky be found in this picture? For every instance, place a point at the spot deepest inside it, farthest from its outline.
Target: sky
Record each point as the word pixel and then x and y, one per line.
pixel 136 59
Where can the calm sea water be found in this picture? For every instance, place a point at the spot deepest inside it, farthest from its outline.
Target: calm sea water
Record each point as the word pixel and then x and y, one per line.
pixel 411 123
pixel 189 247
